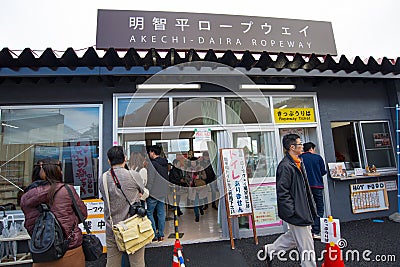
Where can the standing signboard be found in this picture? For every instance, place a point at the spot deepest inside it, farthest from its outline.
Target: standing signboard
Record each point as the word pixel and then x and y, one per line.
pixel 238 197
pixel 95 220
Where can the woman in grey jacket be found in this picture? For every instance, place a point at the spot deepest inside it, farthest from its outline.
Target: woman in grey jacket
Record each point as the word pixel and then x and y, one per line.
pixel 132 185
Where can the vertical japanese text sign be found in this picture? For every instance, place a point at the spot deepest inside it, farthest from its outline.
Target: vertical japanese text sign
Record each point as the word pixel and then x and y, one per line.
pixel 237 185
pixel 237 197
pixel 82 167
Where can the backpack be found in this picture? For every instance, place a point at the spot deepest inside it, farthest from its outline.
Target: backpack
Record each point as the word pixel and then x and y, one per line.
pixel 47 241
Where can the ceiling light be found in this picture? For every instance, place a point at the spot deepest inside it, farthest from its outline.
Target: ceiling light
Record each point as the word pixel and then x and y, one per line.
pixel 168 86
pixel 268 86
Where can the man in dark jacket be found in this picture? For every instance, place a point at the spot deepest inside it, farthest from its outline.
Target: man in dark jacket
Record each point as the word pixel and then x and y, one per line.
pixel 315 168
pixel 157 183
pixel 295 205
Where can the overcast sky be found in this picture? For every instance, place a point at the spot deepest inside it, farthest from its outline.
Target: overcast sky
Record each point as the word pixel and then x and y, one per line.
pixel 361 28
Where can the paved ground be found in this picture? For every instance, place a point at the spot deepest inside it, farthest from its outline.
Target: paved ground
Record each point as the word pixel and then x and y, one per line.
pixel 372 240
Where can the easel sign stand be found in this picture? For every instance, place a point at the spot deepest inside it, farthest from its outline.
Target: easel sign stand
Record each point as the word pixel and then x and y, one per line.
pixel 238 201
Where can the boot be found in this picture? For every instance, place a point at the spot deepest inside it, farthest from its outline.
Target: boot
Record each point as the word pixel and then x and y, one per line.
pixel 205 206
pixel 214 206
pixel 179 212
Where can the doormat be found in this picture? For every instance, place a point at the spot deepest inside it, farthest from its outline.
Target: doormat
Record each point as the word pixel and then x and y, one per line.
pixel 173 235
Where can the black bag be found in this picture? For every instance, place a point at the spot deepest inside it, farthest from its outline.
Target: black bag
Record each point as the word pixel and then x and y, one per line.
pixel 47 241
pixel 91 244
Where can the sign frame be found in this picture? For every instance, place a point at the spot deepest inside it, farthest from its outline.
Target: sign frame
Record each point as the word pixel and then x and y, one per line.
pixel 244 180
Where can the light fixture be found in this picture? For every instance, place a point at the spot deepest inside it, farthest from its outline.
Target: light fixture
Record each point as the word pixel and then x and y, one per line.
pixel 168 86
pixel 282 107
pixel 9 125
pixel 268 86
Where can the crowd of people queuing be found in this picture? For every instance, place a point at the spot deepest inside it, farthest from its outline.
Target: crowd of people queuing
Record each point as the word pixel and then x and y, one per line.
pixel 147 178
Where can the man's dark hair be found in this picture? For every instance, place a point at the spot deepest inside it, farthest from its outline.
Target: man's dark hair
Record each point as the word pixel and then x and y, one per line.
pixel 288 140
pixel 116 155
pixel 307 146
pixel 156 149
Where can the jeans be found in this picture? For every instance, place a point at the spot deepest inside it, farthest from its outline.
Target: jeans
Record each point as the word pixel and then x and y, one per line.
pixel 198 202
pixel 318 195
pixel 154 205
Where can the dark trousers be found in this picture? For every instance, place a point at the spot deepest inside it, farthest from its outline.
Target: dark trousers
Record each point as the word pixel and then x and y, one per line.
pixel 318 195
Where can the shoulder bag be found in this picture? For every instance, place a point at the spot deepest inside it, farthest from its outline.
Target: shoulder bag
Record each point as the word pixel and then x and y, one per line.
pixel 133 233
pixel 91 244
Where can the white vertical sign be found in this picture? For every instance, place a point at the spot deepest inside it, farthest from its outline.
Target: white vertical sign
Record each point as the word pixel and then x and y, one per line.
pixel 237 184
pixel 330 230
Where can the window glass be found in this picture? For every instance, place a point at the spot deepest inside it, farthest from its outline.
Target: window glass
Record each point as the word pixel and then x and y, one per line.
pixel 361 144
pixel 141 112
pixel 67 134
pixel 260 152
pixel 197 111
pixel 247 110
pixel 378 144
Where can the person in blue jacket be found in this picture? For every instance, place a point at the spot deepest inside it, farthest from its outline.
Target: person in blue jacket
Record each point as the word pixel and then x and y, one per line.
pixel 315 168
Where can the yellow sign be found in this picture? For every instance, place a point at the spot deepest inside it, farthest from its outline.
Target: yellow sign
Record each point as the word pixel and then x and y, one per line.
pixel 294 115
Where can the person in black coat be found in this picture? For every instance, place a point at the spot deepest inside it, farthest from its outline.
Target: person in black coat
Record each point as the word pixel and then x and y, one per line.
pixel 176 177
pixel 295 204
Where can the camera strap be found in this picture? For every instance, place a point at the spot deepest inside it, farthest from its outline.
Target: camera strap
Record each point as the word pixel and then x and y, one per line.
pixel 118 185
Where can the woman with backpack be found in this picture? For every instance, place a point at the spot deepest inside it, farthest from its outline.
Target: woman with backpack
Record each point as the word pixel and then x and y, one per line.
pixel 50 190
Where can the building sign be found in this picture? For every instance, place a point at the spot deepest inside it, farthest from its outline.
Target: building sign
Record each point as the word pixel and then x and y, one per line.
pixel 202 134
pixel 294 115
pixel 369 197
pixel 82 167
pixel 237 185
pixel 265 205
pixel 142 30
pixel 95 220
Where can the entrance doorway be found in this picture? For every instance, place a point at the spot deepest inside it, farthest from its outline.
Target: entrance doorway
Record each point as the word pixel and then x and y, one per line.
pixel 182 146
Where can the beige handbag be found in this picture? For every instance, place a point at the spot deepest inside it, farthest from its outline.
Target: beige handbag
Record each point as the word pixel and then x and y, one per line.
pixel 133 233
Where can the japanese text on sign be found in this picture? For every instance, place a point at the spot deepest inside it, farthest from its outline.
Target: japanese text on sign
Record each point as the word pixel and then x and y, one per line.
pixel 294 115
pixel 123 29
pixel 369 197
pixel 82 168
pixel 237 186
pixel 95 220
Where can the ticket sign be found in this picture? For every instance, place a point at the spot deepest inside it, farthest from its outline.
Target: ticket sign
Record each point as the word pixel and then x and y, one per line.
pixel 330 230
pixel 95 220
pixel 294 115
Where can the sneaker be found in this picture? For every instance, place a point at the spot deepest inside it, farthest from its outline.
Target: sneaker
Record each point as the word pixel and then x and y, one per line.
pixel 197 219
pixel 154 239
pixel 161 239
pixel 316 236
pixel 205 207
pixel 201 211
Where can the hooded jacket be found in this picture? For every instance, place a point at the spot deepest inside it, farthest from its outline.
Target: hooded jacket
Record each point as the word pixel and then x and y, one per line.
pixel 157 178
pixel 295 202
pixel 63 209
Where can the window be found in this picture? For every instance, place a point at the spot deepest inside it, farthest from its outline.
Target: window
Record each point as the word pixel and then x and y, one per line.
pixel 69 134
pixel 196 111
pixel 363 143
pixel 245 110
pixel 141 112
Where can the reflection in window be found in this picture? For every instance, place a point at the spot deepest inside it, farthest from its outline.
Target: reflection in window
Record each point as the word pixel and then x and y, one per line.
pixel 141 112
pixel 196 111
pixel 293 102
pixel 247 110
pixel 260 153
pixel 68 134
